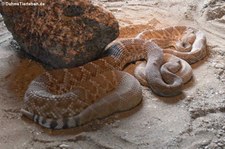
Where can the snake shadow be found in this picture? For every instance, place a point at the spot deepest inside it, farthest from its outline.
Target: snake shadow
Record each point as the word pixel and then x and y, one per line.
pixel 172 100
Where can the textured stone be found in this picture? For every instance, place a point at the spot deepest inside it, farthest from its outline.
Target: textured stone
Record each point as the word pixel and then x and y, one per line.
pixel 62 33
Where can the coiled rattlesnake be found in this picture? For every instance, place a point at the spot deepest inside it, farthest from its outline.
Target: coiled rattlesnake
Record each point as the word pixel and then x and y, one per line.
pixel 68 98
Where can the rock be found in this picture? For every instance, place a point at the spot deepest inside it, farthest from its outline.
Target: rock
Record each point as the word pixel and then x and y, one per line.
pixel 62 33
pixel 214 10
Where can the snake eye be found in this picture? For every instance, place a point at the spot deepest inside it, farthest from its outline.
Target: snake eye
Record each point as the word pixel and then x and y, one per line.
pixel 184 44
pixel 73 10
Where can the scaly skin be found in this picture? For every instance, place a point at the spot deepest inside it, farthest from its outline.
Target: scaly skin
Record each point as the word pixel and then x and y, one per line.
pixel 68 98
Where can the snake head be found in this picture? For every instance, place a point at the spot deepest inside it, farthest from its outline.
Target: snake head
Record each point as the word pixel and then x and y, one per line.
pixel 183 46
pixel 186 41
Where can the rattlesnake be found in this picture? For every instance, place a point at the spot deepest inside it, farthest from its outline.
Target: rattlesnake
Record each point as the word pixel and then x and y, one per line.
pixel 68 98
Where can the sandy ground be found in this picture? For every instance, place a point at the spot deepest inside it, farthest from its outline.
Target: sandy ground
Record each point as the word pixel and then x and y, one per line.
pixel 192 120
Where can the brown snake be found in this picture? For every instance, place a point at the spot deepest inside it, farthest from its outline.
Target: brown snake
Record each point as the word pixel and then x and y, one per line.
pixel 68 98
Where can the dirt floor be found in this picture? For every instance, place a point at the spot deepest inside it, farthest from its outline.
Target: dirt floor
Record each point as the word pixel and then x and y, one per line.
pixel 193 120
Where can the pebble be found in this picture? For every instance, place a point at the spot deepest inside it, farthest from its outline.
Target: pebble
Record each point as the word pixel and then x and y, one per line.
pixel 219 66
pixel 64 146
pixel 223 127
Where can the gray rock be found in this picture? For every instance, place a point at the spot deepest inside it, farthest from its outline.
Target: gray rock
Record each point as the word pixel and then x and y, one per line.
pixel 62 33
